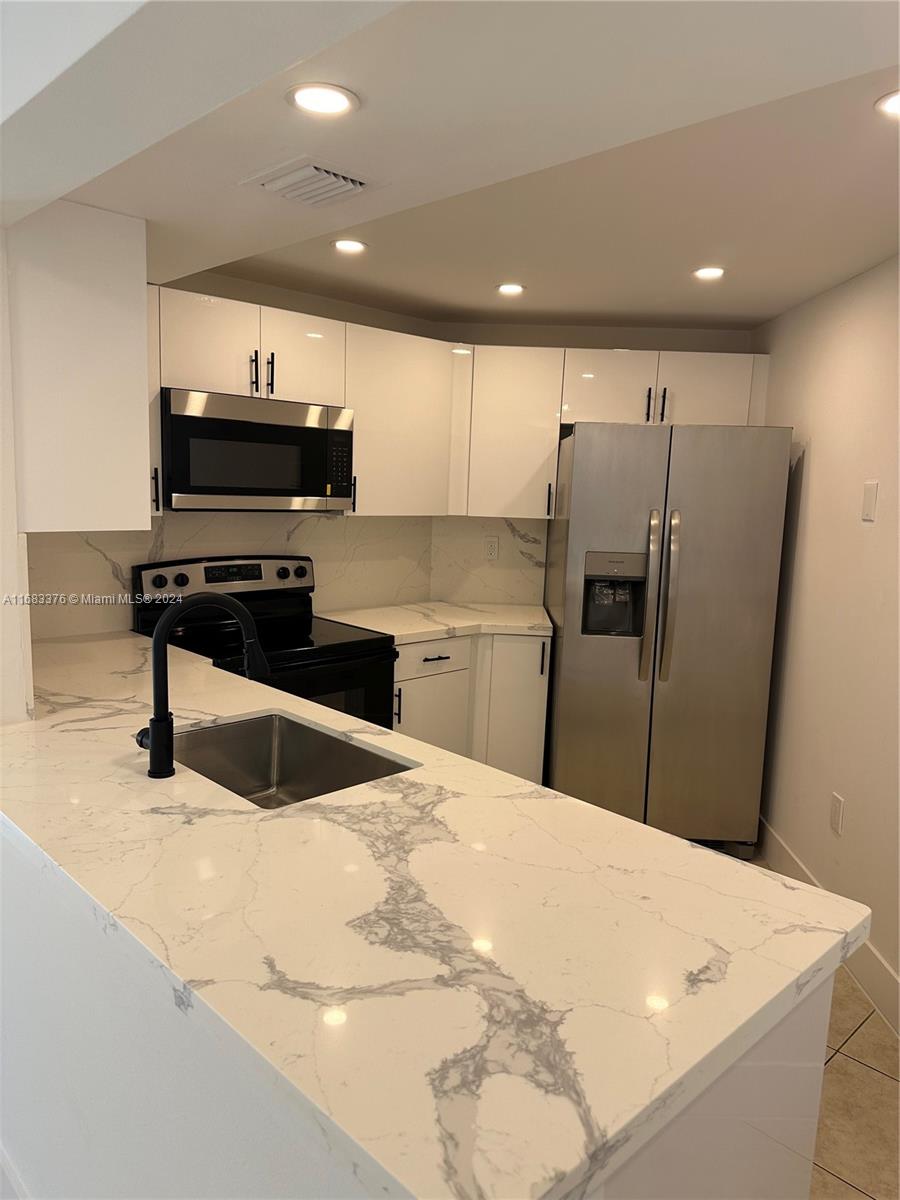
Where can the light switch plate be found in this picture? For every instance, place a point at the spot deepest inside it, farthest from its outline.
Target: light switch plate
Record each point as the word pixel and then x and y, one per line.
pixel 870 499
pixel 837 814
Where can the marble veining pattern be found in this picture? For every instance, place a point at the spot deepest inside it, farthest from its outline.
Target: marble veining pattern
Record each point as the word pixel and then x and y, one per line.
pixel 496 990
pixel 428 621
pixel 386 560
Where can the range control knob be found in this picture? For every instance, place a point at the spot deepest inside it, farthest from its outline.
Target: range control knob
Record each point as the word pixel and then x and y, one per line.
pixel 283 572
pixel 159 581
pixel 301 572
pixel 181 580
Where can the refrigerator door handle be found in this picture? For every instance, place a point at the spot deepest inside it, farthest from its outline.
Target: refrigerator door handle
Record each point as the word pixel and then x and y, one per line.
pixel 665 657
pixel 652 594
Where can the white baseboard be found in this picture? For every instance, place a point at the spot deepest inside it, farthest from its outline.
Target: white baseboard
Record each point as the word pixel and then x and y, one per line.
pixel 10 1180
pixel 871 971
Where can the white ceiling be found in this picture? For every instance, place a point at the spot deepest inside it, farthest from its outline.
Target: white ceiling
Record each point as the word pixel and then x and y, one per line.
pixel 104 83
pixel 460 96
pixel 790 197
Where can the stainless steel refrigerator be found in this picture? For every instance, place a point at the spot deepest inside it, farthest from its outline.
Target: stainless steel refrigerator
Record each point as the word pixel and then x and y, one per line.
pixel 662 581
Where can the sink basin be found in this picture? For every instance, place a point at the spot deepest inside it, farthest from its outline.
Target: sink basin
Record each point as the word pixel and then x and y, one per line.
pixel 272 761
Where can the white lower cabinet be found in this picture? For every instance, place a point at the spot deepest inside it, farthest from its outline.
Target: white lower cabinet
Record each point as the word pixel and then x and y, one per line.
pixel 517 705
pixel 435 709
pixel 484 697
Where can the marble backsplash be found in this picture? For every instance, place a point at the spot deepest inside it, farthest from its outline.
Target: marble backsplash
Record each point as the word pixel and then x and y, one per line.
pixel 360 561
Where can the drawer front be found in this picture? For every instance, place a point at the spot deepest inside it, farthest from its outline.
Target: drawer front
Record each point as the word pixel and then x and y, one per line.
pixel 432 658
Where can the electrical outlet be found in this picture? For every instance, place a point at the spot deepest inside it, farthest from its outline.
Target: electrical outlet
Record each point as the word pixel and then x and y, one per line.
pixel 492 548
pixel 837 814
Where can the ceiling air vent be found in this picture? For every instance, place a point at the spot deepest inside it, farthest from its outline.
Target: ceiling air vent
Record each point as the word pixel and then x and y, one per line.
pixel 308 183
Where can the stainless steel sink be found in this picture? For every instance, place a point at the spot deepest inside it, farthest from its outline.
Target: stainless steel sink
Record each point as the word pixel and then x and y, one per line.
pixel 272 761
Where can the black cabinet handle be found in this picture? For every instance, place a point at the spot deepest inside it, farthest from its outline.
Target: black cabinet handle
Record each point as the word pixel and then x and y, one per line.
pixel 353 495
pixel 662 411
pixel 270 373
pixel 399 695
pixel 549 499
pixel 437 658
pixel 543 655
pixel 254 371
pixel 155 478
pixel 649 398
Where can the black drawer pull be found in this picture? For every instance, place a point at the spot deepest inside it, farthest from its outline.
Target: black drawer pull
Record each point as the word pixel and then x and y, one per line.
pixel 649 396
pixel 399 695
pixel 437 658
pixel 543 655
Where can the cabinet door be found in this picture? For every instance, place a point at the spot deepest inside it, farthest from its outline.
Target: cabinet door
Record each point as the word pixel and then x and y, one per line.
pixel 153 397
pixel 207 344
pixel 400 388
pixel 517 711
pixel 435 709
pixel 610 385
pixel 703 389
pixel 302 356
pixel 516 396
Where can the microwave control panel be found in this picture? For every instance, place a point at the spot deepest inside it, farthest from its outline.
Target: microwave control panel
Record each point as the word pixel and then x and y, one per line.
pixel 340 461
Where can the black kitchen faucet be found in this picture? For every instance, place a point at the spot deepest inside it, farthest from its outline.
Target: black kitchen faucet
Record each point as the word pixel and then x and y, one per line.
pixel 159 736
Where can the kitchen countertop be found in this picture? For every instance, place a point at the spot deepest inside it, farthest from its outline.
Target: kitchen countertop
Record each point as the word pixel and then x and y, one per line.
pixel 435 619
pixel 531 987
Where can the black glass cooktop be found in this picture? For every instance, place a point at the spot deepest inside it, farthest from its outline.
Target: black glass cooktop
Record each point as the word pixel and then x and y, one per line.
pixel 286 641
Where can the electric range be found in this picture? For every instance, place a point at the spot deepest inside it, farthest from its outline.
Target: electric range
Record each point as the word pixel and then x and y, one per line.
pixel 341 666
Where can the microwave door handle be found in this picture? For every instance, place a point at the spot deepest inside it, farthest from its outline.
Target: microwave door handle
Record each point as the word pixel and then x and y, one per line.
pixel 652 594
pixel 665 659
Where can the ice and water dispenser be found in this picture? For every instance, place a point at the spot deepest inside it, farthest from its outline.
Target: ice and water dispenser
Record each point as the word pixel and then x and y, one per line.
pixel 615 591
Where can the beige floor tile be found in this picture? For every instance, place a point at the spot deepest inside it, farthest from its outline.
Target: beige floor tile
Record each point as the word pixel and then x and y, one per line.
pixel 849 1008
pixel 876 1045
pixel 857 1139
pixel 828 1187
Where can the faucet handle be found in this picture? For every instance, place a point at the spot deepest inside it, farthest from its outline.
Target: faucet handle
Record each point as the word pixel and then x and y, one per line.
pixel 142 737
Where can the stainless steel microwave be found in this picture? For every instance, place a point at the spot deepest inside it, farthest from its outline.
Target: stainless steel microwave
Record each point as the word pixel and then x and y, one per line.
pixel 240 452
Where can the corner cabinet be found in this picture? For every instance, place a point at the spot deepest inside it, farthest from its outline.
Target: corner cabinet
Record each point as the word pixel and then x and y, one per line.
pixel 484 697
pixel 516 397
pixel 400 388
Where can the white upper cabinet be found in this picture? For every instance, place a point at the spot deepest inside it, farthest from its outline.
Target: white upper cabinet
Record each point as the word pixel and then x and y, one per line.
pixel 79 356
pixel 209 344
pixel 302 357
pixel 516 397
pixel 610 385
pixel 703 389
pixel 400 388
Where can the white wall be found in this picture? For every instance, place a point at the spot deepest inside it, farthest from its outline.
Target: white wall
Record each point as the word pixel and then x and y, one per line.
pixel 834 720
pixel 15 645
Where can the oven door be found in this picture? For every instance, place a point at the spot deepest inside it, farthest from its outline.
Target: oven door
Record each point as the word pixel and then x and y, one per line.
pixel 231 452
pixel 362 687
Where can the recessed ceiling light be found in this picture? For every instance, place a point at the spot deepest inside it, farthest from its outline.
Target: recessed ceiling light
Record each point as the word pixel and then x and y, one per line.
pixel 460 350
pixel 349 246
pixel 709 272
pixel 323 99
pixel 510 289
pixel 889 104
pixel 588 375
pixel 315 335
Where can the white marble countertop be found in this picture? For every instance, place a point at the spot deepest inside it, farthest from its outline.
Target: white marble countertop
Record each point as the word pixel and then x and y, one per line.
pixel 431 619
pixel 528 987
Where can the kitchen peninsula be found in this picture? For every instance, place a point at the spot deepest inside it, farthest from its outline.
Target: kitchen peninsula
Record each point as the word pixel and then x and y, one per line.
pixel 445 983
